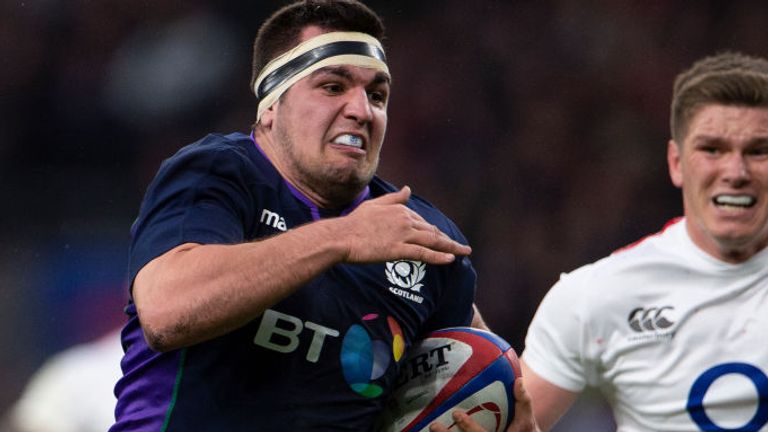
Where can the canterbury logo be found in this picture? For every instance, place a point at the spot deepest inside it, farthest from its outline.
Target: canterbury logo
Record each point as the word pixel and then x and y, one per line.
pixel 649 319
pixel 406 274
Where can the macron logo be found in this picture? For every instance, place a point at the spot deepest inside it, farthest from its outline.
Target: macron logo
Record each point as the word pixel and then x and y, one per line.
pixel 273 219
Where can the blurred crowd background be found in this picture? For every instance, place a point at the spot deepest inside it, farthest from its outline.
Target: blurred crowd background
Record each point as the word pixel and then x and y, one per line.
pixel 540 127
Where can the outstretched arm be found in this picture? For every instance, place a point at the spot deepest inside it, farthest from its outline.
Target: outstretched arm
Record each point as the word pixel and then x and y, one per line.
pixel 196 292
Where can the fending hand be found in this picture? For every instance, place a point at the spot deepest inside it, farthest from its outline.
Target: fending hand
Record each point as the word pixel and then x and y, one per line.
pixel 384 229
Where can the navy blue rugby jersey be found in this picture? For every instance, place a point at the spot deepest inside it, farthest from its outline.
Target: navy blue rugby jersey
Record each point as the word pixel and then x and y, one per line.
pixel 323 359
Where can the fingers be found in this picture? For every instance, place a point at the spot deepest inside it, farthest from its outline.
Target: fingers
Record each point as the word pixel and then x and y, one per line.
pixel 524 421
pixel 430 236
pixel 399 197
pixel 437 427
pixel 430 253
pixel 385 228
pixel 520 393
pixel 460 419
pixel 426 243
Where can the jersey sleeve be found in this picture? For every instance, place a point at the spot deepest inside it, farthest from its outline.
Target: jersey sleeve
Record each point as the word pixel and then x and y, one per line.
pixel 553 345
pixel 198 196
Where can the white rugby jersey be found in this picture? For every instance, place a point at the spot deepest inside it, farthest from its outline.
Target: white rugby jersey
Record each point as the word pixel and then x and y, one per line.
pixel 676 339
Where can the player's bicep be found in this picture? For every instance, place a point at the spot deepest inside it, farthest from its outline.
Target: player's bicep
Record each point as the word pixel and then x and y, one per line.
pixel 554 345
pixel 160 268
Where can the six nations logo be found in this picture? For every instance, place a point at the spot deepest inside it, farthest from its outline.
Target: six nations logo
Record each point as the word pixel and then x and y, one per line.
pixel 406 276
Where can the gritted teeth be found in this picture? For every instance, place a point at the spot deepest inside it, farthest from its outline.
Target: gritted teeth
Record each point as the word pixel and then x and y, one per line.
pixel 734 200
pixel 349 140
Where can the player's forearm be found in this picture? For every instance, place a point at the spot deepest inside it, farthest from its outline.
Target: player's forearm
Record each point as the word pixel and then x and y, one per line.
pixel 196 292
pixel 550 402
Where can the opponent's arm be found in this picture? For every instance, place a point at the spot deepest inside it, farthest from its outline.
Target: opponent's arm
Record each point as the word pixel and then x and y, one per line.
pixel 550 402
pixel 538 406
pixel 524 418
pixel 196 292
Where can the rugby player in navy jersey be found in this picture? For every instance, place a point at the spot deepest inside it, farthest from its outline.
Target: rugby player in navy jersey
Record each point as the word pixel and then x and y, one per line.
pixel 276 281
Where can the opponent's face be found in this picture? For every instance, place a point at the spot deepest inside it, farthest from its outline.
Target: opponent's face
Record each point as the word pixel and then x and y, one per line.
pixel 328 130
pixel 722 168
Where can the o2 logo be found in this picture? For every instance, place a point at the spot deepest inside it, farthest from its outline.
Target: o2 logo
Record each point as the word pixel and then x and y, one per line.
pixel 702 384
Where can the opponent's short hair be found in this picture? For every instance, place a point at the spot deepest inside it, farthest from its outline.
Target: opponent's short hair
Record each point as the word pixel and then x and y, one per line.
pixel 282 30
pixel 728 78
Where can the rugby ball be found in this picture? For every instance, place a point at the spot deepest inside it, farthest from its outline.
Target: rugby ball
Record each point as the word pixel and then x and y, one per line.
pixel 457 367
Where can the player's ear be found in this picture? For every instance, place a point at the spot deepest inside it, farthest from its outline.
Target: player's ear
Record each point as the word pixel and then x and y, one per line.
pixel 673 163
pixel 268 117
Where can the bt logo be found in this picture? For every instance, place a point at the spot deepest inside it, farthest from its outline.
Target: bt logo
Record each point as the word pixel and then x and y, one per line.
pixel 363 359
pixel 702 384
pixel 289 328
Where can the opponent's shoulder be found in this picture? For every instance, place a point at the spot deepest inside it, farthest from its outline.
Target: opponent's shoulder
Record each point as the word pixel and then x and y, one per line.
pixel 651 251
pixel 658 241
pixel 622 268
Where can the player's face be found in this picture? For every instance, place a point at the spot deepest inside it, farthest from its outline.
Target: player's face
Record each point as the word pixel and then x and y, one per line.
pixel 722 168
pixel 329 128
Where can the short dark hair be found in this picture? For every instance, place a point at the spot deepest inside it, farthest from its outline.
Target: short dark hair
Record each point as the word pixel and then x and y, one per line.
pixel 282 30
pixel 728 78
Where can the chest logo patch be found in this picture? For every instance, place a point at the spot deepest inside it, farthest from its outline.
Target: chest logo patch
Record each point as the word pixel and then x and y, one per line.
pixel 650 318
pixel 406 275
pixel 652 323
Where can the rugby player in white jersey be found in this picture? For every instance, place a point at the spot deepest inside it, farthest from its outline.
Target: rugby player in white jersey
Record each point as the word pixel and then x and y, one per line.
pixel 672 328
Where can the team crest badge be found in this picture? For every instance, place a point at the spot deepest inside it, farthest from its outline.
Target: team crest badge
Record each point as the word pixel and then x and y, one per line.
pixel 406 274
